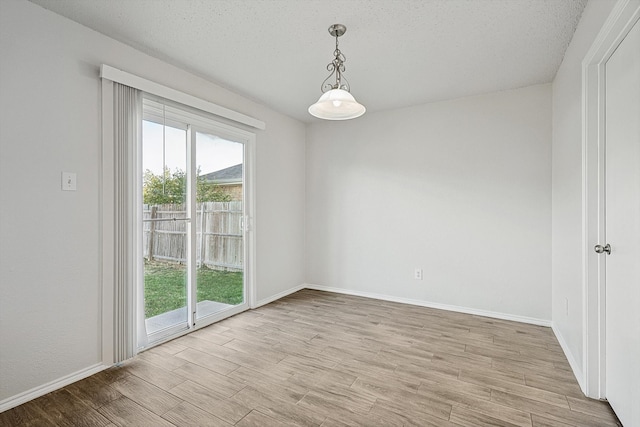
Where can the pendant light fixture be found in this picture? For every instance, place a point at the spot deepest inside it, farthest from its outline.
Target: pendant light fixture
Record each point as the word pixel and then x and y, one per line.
pixel 336 103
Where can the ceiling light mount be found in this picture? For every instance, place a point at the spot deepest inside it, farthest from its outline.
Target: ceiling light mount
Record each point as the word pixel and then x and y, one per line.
pixel 337 30
pixel 336 102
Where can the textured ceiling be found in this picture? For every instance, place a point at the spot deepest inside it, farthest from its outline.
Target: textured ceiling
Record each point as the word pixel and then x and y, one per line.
pixel 399 52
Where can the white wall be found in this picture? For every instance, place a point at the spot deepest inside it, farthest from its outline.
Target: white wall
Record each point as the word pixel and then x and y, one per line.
pixel 49 241
pixel 461 189
pixel 567 184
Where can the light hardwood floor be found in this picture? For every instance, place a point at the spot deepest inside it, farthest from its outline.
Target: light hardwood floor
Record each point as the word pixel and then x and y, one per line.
pixel 324 359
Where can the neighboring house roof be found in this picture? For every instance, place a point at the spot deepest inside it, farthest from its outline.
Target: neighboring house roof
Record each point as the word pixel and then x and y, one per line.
pixel 232 174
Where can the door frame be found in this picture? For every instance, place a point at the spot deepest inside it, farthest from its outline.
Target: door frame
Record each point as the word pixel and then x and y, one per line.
pixel 204 124
pixel 622 18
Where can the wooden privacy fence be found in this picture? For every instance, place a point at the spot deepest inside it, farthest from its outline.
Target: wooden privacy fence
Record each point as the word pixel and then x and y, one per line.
pixel 218 234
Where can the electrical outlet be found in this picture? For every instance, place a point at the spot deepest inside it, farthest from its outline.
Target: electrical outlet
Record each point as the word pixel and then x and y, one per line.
pixel 417 274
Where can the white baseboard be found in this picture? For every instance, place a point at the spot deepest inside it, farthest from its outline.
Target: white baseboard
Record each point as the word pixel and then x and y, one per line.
pixel 421 303
pixel 35 392
pixel 278 296
pixel 577 372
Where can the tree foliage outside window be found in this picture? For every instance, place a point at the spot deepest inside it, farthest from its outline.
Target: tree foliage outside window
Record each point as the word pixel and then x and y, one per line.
pixel 171 188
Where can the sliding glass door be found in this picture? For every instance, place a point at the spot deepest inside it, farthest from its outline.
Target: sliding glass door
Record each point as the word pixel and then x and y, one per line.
pixel 165 223
pixel 219 227
pixel 193 221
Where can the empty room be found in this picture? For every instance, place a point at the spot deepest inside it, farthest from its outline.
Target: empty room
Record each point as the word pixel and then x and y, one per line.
pixel 320 213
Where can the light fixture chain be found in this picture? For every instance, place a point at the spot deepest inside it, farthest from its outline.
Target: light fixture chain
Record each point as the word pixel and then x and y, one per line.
pixel 336 67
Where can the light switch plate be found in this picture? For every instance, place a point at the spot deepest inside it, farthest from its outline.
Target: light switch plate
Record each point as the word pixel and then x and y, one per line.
pixel 68 181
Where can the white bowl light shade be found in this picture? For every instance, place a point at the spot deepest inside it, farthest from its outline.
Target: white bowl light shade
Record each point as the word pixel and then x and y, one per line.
pixel 337 104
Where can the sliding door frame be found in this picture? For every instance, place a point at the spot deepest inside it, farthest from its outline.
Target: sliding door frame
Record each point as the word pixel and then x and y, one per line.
pixel 194 122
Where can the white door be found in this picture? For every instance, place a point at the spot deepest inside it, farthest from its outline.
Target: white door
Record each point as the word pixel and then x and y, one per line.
pixel 622 166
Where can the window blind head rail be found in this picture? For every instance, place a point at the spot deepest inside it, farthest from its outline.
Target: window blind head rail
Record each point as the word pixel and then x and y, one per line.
pixel 109 73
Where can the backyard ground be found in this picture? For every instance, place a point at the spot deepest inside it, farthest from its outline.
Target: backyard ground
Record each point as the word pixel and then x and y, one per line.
pixel 165 286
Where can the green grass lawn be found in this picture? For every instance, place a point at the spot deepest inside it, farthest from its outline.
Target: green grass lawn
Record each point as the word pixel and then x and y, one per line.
pixel 165 287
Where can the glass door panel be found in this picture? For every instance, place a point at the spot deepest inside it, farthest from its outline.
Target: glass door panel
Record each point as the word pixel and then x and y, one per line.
pixel 165 227
pixel 219 224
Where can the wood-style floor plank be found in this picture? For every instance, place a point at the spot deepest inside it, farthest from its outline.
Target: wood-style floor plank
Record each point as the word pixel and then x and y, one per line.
pixel 147 395
pixel 469 418
pixel 188 415
pixel 278 409
pixel 258 419
pixel 28 414
pixel 93 392
pixel 320 359
pixel 126 412
pixel 153 374
pixel 486 407
pixel 65 409
pixel 211 400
